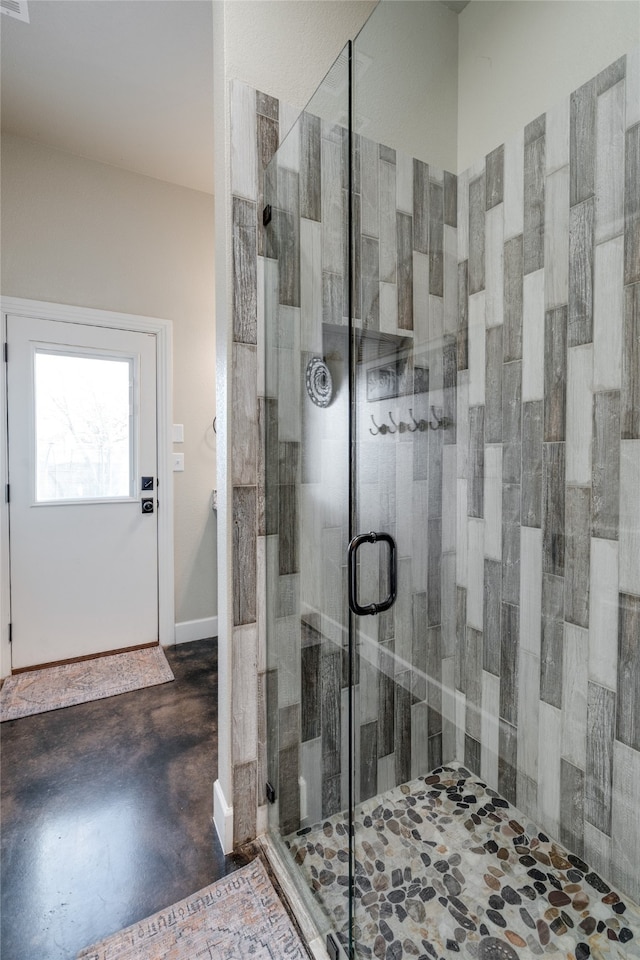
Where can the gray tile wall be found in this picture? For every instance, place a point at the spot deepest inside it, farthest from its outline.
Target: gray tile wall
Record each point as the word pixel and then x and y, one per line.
pixel 254 135
pixel 560 641
pixel 519 282
pixel 406 306
pixel 402 473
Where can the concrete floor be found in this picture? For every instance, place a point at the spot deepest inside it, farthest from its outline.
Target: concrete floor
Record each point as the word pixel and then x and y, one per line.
pixel 107 811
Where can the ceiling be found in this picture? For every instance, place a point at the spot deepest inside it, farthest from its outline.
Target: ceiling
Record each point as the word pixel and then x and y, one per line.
pixel 126 82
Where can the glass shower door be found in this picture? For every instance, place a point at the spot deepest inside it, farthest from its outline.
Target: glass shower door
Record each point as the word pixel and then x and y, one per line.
pixel 306 307
pixel 404 368
pixel 359 426
pixel 446 756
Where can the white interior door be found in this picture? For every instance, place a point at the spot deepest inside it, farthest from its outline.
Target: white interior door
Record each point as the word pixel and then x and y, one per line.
pixel 82 463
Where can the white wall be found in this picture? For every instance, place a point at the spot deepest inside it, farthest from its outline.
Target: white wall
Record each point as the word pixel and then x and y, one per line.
pixel 285 48
pixel 221 172
pixel 442 87
pixel 405 97
pixel 517 58
pixel 406 90
pixel 84 233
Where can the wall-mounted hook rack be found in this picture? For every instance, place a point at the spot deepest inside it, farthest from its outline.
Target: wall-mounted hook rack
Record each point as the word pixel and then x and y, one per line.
pixel 435 422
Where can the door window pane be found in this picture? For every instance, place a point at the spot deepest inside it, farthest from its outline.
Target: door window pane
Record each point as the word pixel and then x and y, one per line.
pixel 83 427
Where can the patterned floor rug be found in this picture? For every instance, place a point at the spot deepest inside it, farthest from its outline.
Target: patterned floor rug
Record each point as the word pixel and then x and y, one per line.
pixel 51 688
pixel 446 867
pixel 238 918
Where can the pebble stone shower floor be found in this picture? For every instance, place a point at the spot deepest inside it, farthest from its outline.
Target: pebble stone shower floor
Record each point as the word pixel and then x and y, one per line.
pixel 446 867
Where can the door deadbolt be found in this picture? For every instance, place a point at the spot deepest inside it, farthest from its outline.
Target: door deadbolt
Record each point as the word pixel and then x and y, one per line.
pixel 147 504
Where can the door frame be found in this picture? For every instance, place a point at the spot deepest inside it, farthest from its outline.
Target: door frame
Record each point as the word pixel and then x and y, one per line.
pixel 163 331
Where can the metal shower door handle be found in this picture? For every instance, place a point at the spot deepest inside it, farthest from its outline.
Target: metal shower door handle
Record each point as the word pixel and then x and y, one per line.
pixel 372 608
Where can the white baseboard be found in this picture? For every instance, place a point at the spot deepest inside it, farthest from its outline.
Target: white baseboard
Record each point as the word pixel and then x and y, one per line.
pixel 190 630
pixel 222 818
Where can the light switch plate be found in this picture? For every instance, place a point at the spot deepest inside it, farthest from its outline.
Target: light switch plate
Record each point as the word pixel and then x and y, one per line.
pixel 178 433
pixel 178 462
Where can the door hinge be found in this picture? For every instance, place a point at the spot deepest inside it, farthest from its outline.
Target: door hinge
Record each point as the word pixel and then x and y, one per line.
pixel 266 215
pixel 6 352
pixel 334 949
pixel 10 633
pixel 7 494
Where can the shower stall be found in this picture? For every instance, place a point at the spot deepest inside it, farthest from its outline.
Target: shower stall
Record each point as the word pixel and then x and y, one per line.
pixel 451 509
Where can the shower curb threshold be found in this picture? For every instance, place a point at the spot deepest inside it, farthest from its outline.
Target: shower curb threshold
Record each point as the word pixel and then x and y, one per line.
pixel 313 940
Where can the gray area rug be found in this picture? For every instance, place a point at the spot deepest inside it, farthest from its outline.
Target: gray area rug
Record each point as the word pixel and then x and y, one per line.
pixel 238 918
pixel 38 691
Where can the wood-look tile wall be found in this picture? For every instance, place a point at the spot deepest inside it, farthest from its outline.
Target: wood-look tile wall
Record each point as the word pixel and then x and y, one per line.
pixel 405 304
pixel 254 138
pixel 551 221
pixel 518 283
pixel 401 473
pixel 290 497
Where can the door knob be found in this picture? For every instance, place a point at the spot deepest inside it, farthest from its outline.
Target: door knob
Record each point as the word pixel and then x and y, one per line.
pixel 147 504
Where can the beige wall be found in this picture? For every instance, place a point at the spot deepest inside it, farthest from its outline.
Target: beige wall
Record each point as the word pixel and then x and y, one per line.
pixel 517 58
pixel 84 233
